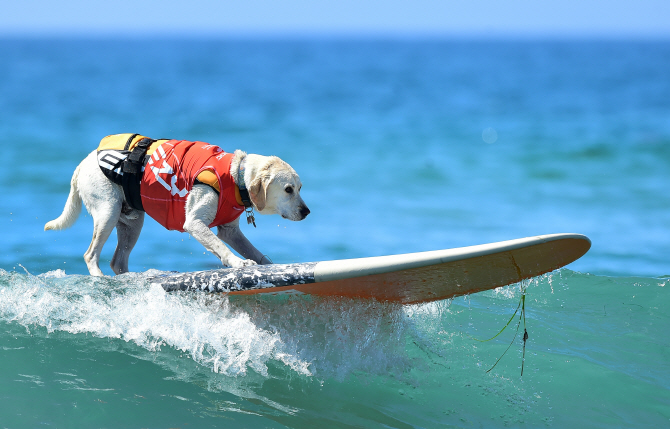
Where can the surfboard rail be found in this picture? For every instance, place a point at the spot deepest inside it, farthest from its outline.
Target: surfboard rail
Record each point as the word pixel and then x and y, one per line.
pixel 404 278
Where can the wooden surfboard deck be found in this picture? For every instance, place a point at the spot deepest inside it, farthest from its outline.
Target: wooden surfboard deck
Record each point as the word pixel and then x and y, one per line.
pixel 407 278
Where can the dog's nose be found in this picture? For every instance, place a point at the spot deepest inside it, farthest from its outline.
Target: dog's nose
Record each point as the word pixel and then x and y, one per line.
pixel 304 211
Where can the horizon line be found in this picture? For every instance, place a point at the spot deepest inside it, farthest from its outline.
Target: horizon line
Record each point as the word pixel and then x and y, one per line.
pixel 339 35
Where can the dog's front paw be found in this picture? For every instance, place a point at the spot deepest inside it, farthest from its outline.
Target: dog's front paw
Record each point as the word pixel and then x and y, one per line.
pixel 239 263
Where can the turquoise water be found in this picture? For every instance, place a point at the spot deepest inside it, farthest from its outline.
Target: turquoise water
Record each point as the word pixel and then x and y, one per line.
pixel 402 146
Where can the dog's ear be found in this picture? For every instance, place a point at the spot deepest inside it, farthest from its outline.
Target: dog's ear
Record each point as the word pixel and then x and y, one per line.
pixel 257 192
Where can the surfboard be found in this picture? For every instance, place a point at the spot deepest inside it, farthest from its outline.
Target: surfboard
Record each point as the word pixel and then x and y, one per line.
pixel 406 278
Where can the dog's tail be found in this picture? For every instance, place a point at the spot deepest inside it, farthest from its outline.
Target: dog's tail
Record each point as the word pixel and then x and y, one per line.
pixel 72 207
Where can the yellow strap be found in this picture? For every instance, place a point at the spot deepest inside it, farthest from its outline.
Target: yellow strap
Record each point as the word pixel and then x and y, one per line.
pixel 118 142
pixel 209 178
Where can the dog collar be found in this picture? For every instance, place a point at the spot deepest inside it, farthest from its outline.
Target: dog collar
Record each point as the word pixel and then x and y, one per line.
pixel 244 194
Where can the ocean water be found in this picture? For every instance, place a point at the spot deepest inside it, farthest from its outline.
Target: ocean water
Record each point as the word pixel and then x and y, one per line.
pixel 402 146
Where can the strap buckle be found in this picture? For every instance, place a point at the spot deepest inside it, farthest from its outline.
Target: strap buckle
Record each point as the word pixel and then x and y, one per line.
pixel 133 163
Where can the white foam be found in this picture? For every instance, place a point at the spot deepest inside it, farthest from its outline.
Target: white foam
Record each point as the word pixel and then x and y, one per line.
pixel 212 332
pixel 53 274
pixel 305 335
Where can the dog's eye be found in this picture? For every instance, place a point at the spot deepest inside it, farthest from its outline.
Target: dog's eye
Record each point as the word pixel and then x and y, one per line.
pixel 289 189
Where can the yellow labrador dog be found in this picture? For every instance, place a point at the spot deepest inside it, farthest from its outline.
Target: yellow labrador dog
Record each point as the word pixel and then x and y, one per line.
pixel 186 186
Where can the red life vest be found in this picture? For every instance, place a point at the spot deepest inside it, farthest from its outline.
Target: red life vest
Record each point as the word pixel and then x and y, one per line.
pixel 170 173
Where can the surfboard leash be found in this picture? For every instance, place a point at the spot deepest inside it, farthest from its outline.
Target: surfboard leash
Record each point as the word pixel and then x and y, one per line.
pixel 522 306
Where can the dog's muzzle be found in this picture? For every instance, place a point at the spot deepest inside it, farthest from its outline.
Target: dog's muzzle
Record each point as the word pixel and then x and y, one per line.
pixel 304 211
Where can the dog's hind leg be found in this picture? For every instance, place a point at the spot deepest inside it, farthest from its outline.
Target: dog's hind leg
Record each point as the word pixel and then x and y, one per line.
pixel 127 231
pixel 103 225
pixel 103 200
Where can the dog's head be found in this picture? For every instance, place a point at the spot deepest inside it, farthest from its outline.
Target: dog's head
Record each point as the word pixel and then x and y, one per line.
pixel 275 189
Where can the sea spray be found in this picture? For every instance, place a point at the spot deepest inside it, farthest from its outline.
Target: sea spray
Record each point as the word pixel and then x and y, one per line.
pixel 212 332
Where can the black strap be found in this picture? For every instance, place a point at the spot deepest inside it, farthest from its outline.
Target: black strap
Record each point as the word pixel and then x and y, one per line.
pixel 133 164
pixel 130 141
pixel 244 196
pixel 244 193
pixel 132 173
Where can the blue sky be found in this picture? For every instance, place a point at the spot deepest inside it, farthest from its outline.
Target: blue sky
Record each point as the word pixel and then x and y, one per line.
pixel 460 18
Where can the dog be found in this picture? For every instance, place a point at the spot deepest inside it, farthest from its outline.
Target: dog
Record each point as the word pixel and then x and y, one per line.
pixel 187 186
